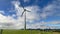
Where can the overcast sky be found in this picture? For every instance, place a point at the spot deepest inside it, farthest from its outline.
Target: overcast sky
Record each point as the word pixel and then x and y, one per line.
pixel 44 14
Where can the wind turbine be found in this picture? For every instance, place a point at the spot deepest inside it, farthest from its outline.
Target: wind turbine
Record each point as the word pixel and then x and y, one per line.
pixel 24 11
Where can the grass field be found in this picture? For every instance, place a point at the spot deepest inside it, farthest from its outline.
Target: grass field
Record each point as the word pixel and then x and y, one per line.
pixel 28 32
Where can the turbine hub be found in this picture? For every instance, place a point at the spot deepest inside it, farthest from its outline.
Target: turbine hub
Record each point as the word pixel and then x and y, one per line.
pixel 24 9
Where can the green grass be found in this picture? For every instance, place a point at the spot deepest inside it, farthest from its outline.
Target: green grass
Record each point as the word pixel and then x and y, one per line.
pixel 28 32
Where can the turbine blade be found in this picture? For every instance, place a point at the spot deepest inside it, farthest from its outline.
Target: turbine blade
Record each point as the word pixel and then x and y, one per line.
pixel 22 13
pixel 28 11
pixel 22 6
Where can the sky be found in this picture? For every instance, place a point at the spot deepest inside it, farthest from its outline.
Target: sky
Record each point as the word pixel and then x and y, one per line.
pixel 45 14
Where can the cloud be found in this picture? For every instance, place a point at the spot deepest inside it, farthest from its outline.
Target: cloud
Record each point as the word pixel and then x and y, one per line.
pixel 37 25
pixel 52 9
pixel 44 25
pixel 53 24
pixel 32 17
pixel 8 22
pixel 1 12
pixel 33 14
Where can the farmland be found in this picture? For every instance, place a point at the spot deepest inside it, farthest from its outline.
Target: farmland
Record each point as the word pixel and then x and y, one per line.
pixel 28 32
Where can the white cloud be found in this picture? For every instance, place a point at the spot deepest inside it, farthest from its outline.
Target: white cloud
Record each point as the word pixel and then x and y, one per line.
pixel 44 25
pixel 48 10
pixel 38 25
pixel 53 24
pixel 1 12
pixel 52 9
pixel 14 24
pixel 31 16
pixel 19 22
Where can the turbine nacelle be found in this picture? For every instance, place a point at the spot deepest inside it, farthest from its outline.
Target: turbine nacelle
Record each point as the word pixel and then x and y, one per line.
pixel 27 10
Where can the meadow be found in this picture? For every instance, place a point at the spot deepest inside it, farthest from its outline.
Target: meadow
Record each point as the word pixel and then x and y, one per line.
pixel 28 32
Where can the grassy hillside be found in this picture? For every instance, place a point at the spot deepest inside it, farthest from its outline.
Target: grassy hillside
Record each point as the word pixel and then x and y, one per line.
pixel 28 32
